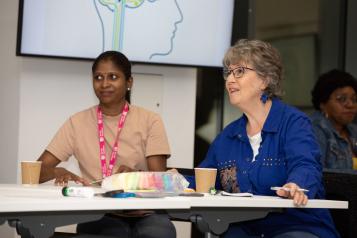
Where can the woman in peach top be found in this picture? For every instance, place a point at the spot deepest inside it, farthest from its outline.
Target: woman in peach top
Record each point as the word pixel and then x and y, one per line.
pixel 108 138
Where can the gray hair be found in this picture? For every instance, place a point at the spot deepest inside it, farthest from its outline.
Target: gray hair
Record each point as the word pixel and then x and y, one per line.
pixel 264 59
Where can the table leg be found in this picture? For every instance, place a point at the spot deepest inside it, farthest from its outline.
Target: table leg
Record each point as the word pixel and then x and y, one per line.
pixel 215 221
pixel 42 225
pixel 210 235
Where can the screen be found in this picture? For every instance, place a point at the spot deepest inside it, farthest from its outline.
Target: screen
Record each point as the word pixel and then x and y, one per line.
pixel 180 32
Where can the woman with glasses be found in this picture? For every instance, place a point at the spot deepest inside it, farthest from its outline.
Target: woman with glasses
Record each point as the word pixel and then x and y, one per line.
pixel 272 144
pixel 335 99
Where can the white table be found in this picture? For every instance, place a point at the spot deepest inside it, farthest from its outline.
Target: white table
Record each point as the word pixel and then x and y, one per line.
pixel 43 208
pixel 215 213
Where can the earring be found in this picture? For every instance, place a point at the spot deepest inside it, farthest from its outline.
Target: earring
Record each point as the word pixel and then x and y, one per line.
pixel 128 89
pixel 264 97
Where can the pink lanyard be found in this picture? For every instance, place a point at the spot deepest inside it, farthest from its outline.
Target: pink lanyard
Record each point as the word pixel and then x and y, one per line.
pixel 113 157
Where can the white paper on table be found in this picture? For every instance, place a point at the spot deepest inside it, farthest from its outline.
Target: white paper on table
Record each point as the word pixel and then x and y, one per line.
pixel 223 193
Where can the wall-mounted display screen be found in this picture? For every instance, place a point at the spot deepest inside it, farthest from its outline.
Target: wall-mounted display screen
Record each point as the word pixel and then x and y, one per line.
pixel 180 32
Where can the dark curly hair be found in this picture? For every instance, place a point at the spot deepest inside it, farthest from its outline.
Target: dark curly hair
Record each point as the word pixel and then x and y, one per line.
pixel 119 60
pixel 329 82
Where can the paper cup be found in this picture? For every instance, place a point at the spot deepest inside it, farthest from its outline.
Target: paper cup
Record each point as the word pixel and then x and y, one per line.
pixel 30 172
pixel 205 179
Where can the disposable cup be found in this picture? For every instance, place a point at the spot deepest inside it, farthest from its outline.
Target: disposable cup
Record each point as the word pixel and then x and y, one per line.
pixel 30 172
pixel 205 179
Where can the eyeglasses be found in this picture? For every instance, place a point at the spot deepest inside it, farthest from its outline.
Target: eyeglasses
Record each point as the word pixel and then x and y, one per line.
pixel 343 100
pixel 237 72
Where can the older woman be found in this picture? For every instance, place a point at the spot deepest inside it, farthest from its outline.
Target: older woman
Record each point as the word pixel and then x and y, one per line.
pixel 272 144
pixel 335 99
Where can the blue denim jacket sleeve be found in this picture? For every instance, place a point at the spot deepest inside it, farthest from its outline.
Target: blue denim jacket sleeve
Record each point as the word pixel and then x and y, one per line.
pixel 335 150
pixel 322 140
pixel 303 155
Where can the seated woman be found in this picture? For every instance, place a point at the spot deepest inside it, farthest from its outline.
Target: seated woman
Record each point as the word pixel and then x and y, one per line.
pixel 108 138
pixel 335 99
pixel 272 144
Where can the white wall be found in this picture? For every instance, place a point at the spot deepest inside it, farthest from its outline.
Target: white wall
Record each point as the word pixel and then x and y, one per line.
pixel 38 95
pixel 9 91
pixel 178 108
pixel 9 98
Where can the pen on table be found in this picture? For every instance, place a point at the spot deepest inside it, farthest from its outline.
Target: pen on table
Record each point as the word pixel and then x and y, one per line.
pixel 288 189
pixel 96 181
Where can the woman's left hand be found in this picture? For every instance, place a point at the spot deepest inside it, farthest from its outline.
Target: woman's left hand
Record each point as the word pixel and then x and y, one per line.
pixel 299 197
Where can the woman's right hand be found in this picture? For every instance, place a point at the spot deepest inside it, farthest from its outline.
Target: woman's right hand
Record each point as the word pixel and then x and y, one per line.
pixel 299 197
pixel 63 176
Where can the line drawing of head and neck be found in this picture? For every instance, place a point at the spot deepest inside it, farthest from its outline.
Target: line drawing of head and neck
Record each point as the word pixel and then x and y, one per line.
pixel 139 27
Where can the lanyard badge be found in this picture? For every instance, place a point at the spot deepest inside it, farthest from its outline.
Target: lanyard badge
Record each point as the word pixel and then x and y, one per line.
pixel 107 171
